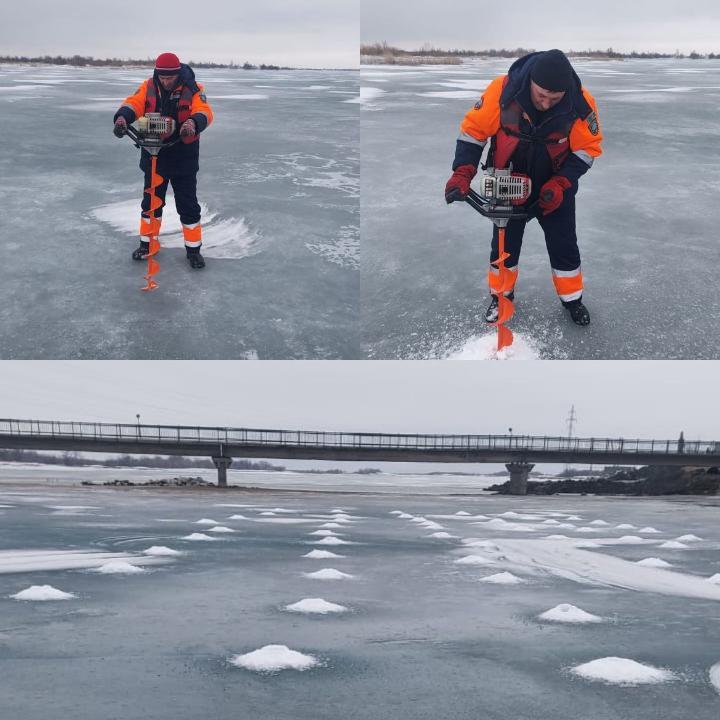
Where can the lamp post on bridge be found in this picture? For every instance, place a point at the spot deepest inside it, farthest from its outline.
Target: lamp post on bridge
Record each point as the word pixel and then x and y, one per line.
pixel 137 415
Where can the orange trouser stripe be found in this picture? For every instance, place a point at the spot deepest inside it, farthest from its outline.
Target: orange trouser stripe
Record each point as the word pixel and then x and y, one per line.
pixel 494 279
pixel 192 234
pixel 568 286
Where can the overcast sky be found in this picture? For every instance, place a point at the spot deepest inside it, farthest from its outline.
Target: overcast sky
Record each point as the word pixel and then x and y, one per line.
pixel 297 33
pixel 656 25
pixel 632 399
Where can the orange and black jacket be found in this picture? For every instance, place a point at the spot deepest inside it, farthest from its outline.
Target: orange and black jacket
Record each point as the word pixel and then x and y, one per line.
pixel 564 140
pixel 186 100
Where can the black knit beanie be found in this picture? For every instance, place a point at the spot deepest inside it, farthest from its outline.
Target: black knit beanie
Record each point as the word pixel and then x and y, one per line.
pixel 552 71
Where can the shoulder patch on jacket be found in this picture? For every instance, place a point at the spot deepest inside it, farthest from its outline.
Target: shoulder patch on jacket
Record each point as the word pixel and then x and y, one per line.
pixel 592 123
pixel 479 104
pixel 203 97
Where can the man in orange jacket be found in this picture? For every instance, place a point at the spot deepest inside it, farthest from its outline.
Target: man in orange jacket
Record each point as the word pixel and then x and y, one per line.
pixel 541 122
pixel 172 92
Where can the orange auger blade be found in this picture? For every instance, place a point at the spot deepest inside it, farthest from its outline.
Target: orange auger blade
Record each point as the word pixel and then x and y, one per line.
pixel 506 309
pixel 154 243
pixel 505 337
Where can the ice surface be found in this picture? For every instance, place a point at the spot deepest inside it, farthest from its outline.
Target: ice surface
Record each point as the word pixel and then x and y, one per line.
pixel 622 671
pixel 23 561
pixel 425 263
pixel 315 605
pixel 567 613
pixel 42 593
pixel 272 658
pixel 279 189
pixel 328 574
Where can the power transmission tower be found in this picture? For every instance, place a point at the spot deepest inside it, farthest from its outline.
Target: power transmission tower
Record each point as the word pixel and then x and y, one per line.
pixel 570 421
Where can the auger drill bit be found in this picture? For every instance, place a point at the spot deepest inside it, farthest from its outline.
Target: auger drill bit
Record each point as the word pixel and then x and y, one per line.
pixel 153 241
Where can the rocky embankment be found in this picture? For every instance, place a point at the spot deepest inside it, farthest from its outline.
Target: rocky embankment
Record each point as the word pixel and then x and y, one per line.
pixel 655 480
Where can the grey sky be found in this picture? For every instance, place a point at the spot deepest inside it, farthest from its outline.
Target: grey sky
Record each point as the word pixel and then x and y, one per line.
pixel 633 398
pixel 298 33
pixel 657 25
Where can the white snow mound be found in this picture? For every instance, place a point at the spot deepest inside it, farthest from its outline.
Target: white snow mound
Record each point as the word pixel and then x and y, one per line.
pixel 328 574
pixel 485 348
pixel 714 674
pixel 332 540
pixel 322 555
pixel 272 658
pixel 161 551
pixel 42 593
pixel 689 538
pixel 315 605
pixel 197 536
pixel 221 529
pixel 503 578
pixel 206 521
pixel 119 567
pixel 567 613
pixel 653 562
pixel 474 560
pixel 673 545
pixel 622 671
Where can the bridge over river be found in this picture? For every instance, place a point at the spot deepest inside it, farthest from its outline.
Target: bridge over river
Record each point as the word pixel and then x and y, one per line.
pixel 519 453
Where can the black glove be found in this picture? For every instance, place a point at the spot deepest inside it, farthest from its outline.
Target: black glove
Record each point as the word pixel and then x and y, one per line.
pixel 120 128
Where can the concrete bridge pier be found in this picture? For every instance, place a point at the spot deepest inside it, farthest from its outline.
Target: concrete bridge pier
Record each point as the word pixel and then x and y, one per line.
pixel 222 464
pixel 519 472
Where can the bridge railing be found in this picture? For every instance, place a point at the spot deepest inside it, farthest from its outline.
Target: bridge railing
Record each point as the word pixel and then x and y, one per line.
pixel 302 438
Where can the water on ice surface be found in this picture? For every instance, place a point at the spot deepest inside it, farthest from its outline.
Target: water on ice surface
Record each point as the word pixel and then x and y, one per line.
pixel 646 216
pixel 424 633
pixel 279 189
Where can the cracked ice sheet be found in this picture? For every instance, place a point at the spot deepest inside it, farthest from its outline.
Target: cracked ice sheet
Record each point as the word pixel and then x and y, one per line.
pixel 562 559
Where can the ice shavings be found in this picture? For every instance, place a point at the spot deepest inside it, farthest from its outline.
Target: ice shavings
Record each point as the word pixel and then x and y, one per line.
pixel 328 574
pixel 322 555
pixel 344 251
pixel 198 537
pixel 226 238
pixel 653 562
pixel 714 674
pixel 504 578
pixel 119 567
pixel 161 551
pixel 315 606
pixel 566 613
pixel 484 347
pixel 622 671
pixel 42 593
pixel 272 658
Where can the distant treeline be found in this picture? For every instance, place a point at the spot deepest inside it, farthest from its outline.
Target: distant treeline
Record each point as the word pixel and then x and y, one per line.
pixel 82 61
pixel 74 459
pixel 382 48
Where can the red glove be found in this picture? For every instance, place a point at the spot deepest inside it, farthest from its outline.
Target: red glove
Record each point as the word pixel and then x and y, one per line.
pixel 188 129
pixel 120 128
pixel 552 193
pixel 458 186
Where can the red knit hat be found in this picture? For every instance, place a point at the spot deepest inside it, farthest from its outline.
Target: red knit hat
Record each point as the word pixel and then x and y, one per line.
pixel 167 64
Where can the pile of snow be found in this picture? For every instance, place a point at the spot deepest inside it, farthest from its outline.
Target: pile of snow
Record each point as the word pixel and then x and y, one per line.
pixel 485 348
pixel 328 574
pixel 688 538
pixel 221 529
pixel 119 567
pixel 714 579
pixel 622 671
pixel 396 512
pixel 197 536
pixel 331 525
pixel 322 554
pixel 462 512
pixel 315 605
pixel 503 578
pixel 625 526
pixel 161 551
pixel 441 535
pixel 653 562
pixel 648 530
pixel 237 517
pixel 332 540
pixel 42 593
pixel 322 533
pixel 206 521
pixel 566 613
pixel 474 560
pixel 272 658
pixel 673 545
pixel 714 674
pixel 598 522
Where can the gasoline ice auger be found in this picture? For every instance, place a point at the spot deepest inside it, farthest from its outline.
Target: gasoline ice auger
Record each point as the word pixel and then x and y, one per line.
pixel 502 191
pixel 151 134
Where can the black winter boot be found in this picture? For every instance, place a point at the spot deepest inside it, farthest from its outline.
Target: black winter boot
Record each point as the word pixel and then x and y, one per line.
pixel 196 260
pixel 578 312
pixel 491 314
pixel 142 251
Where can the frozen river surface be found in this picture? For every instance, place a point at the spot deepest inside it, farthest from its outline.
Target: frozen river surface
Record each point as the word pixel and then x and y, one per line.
pixel 421 636
pixel 647 219
pixel 279 188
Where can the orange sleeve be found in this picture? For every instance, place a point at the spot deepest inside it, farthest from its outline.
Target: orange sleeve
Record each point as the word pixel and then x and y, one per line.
pixel 586 135
pixel 483 121
pixel 200 105
pixel 136 101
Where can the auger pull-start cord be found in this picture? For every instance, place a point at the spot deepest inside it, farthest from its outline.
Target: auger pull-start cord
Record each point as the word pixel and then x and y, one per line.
pixel 153 241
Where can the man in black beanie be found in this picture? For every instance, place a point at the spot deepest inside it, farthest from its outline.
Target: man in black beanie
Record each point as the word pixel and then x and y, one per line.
pixel 540 121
